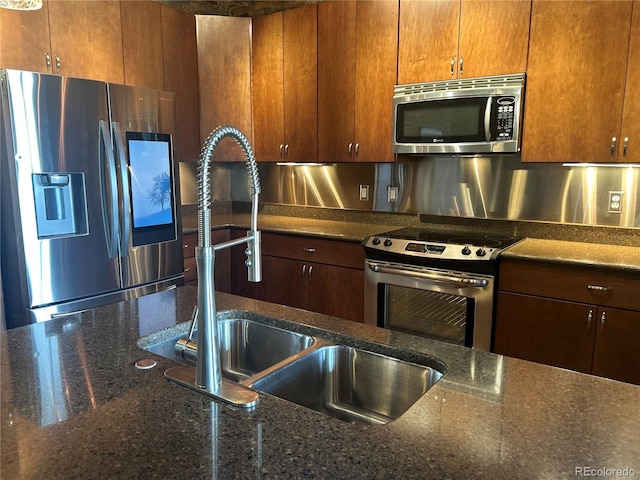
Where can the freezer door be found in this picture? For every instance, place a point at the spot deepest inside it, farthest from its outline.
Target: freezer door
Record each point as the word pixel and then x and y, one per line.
pixel 58 191
pixel 143 124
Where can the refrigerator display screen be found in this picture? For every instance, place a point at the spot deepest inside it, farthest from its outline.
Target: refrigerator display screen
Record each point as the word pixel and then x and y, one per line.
pixel 152 188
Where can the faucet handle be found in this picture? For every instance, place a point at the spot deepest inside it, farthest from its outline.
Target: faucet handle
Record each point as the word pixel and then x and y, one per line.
pixel 254 256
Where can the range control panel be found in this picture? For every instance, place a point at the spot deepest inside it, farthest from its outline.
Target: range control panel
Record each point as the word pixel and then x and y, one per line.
pixel 452 251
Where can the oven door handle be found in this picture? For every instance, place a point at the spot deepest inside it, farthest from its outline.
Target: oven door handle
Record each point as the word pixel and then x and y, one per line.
pixel 438 277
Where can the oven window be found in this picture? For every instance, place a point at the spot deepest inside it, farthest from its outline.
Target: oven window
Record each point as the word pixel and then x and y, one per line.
pixel 429 314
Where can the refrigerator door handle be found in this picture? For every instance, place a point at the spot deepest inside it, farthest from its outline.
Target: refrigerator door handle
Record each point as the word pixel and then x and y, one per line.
pixel 126 190
pixel 109 187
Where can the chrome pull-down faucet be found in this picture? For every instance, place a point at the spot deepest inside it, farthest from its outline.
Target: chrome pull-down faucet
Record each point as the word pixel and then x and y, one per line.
pixel 208 377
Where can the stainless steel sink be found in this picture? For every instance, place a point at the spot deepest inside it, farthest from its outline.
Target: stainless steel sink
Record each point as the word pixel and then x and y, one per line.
pixel 350 384
pixel 246 347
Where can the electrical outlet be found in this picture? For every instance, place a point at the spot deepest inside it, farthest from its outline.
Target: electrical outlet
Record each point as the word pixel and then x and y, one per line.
pixel 615 201
pixel 364 192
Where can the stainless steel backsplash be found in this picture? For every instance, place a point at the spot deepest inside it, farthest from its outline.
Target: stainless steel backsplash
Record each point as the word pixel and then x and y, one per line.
pixel 482 187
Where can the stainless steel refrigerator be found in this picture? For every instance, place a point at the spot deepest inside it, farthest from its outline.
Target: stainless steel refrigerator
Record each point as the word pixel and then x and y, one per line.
pixel 89 194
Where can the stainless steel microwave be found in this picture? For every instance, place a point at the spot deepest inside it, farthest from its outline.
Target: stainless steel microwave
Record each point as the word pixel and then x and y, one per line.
pixel 469 116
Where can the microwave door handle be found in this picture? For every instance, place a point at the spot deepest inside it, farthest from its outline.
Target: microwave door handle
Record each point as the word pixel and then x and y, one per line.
pixel 487 119
pixel 436 277
pixel 126 191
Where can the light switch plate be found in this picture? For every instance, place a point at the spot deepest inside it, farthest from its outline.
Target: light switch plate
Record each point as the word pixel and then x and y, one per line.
pixel 392 194
pixel 364 192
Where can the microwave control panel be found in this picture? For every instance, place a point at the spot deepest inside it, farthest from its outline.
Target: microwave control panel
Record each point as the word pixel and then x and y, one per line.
pixel 504 118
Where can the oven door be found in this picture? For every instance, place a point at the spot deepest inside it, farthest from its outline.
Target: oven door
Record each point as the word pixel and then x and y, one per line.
pixel 451 306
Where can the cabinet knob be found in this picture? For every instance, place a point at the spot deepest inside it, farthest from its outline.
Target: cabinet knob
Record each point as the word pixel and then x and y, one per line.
pixel 453 66
pixel 186 245
pixel 589 318
pixel 625 146
pixel 461 65
pixel 603 318
pixel 47 60
pixel 310 270
pixel 286 151
pixel 614 140
pixel 350 148
pixel 281 150
pixel 357 149
pixel 57 63
pixel 187 269
pixel 304 270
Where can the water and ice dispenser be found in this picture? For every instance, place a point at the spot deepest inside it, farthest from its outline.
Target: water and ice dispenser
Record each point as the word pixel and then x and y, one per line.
pixel 61 204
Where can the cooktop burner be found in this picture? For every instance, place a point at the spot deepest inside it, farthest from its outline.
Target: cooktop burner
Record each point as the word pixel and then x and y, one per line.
pixel 429 244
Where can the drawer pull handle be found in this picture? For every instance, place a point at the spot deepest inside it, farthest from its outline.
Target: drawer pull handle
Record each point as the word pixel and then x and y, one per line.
pixel 309 250
pixel 589 318
pixel 597 288
pixel 187 270
pixel 186 245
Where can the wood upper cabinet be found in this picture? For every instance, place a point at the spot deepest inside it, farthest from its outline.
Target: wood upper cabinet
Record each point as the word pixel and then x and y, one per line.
pixel 578 56
pixel 180 63
pixel 357 63
pixel 445 39
pixel 629 145
pixel 24 39
pixel 284 78
pixel 73 38
pixel 141 41
pixel 86 39
pixel 224 75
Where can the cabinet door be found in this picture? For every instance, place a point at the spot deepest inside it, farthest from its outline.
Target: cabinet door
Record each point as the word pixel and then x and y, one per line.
pixel 337 80
pixel 284 281
pixel 24 39
pixel 336 291
pixel 494 37
pixel 224 71
pixel 631 116
pixel 616 354
pixel 428 42
pixel 376 73
pixel 268 87
pixel 576 71
pixel 547 331
pixel 141 40
pixel 300 84
pixel 87 38
pixel 180 60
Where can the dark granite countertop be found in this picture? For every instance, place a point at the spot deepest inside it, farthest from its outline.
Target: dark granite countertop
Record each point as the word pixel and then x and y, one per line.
pixel 620 257
pixel 73 405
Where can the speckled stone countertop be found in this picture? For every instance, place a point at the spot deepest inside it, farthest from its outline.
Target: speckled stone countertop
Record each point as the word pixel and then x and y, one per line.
pixel 73 405
pixel 354 226
pixel 621 258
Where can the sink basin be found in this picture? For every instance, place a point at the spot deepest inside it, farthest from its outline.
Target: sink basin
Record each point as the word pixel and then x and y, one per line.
pixel 246 347
pixel 350 384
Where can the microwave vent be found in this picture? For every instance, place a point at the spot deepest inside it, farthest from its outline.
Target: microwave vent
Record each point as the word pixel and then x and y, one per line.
pixel 503 81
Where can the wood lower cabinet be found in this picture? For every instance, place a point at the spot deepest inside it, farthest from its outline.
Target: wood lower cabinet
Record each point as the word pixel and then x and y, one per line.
pixel 579 318
pixel 222 267
pixel 320 275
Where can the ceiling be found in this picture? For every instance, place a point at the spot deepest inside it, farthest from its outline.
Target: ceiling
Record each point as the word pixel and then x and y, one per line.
pixel 234 8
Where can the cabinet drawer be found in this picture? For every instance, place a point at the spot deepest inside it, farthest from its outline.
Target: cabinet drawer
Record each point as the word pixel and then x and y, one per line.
pixel 331 252
pixel 190 269
pixel 189 243
pixel 579 284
